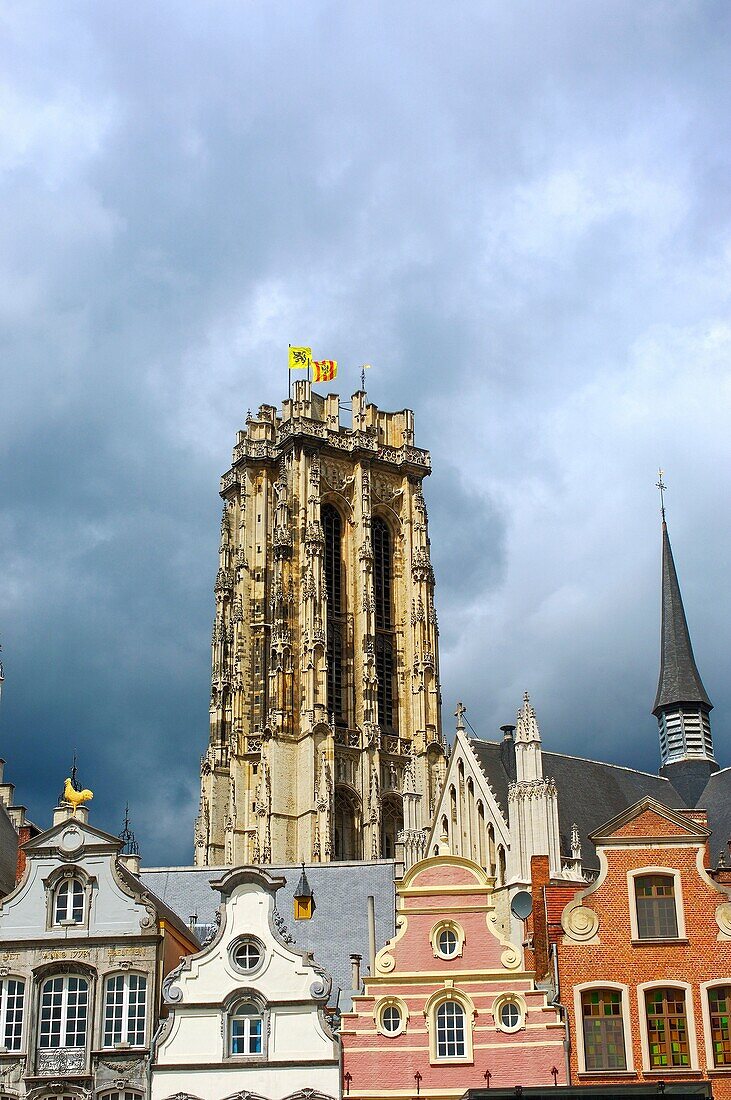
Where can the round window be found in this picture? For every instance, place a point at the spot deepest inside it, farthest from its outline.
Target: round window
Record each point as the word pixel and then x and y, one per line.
pixel 447 943
pixel 247 955
pixel 391 1020
pixel 510 1015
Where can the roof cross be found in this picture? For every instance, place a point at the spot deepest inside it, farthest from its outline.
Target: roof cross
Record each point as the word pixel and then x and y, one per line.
pixel 662 487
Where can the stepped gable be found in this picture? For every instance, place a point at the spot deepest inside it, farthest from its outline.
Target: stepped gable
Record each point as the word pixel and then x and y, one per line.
pixel 339 925
pixel 590 792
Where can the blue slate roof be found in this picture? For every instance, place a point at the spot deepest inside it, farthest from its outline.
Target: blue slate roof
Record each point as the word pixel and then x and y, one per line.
pixel 339 925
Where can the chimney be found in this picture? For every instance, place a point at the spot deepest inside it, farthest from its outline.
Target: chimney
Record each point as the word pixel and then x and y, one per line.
pixel 131 861
pixel 507 751
pixel 355 961
pixel 65 812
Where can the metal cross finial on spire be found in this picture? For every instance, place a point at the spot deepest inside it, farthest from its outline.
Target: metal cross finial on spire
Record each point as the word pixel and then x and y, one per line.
pixel 363 369
pixel 662 487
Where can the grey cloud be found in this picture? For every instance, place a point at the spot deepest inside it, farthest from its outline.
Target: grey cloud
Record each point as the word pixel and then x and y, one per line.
pixel 518 215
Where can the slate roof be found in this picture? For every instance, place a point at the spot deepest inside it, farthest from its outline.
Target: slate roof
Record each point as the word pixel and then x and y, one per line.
pixel 680 681
pixel 589 792
pixel 339 926
pixel 716 799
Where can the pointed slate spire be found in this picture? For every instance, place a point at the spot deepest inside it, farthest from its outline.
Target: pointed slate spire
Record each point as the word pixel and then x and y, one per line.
pixel 682 706
pixel 680 681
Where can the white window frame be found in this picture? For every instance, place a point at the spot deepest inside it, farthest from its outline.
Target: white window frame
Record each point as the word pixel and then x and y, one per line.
pixel 456 1006
pixel 498 1006
pixel 232 1015
pixel 4 996
pixel 705 987
pixel 665 1071
pixel 391 1002
pixel 668 872
pixel 447 926
pixel 124 1040
pixel 63 1031
pixel 67 885
pixel 431 1008
pixel 629 1057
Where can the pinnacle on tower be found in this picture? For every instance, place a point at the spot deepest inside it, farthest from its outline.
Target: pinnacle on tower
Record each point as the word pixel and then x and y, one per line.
pixel 682 706
pixel 527 724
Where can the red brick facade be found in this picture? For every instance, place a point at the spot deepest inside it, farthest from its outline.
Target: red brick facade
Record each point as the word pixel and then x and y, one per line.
pixel 643 980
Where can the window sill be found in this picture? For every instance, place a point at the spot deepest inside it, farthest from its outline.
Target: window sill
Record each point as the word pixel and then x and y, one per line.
pixel 673 1071
pixel 676 941
pixel 607 1073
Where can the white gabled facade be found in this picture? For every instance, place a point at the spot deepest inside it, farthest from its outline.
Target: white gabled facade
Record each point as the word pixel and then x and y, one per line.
pixel 247 1012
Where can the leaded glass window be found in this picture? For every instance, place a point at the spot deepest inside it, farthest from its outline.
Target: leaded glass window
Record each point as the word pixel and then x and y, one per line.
pixel 667 1028
pixel 601 1010
pixel 657 918
pixel 719 1004
pixel 125 1004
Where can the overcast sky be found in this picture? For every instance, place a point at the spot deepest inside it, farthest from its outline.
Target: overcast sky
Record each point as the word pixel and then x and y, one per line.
pixel 519 213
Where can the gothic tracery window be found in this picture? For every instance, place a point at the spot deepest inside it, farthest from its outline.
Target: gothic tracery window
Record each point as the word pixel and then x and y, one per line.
pixel 392 822
pixel 347 825
pixel 385 639
pixel 336 620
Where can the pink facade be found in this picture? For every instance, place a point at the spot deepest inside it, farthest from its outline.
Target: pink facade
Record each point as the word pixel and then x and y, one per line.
pixel 449 1000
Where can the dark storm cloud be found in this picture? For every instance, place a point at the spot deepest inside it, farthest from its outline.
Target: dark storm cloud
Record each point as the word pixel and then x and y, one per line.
pixel 518 214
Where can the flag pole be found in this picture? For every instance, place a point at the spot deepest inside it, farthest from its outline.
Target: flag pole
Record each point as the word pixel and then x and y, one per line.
pixel 289 376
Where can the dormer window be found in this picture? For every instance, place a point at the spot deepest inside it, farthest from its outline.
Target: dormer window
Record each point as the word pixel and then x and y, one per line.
pixel 68 902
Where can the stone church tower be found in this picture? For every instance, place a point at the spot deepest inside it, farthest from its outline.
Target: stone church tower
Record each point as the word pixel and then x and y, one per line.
pixel 325 701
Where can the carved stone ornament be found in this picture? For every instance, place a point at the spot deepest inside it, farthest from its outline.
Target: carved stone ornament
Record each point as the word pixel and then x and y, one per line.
pixel 385 963
pixel 723 918
pixel 510 958
pixel 580 923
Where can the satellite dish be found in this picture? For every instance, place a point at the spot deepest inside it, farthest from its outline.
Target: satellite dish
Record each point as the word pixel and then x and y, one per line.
pixel 521 904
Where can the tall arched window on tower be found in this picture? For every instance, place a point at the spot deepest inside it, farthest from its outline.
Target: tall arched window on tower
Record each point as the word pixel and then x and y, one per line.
pixel 385 642
pixel 332 526
pixel 347 824
pixel 392 822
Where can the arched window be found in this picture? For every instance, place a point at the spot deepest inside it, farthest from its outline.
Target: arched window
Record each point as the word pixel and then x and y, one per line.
pixel 500 865
pixel 347 825
pixel 64 1007
pixel 125 1004
pixel 68 902
pixel 385 641
pixel 603 1029
pixel 12 996
pixel 336 622
pixel 392 822
pixel 246 1029
pixel 667 1028
pixel 481 834
pixel 115 1094
pixel 450 1033
pixel 491 848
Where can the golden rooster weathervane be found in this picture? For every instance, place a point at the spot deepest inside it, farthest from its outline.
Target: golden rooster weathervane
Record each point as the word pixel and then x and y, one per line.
pixel 73 796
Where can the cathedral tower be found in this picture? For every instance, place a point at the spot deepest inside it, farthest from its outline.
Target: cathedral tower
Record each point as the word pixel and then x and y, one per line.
pixel 325 695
